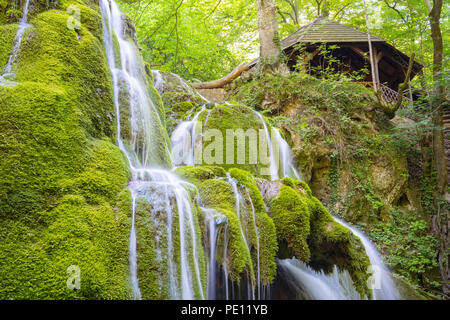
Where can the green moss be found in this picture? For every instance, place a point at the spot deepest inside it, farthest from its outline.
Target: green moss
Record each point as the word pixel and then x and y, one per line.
pixel 172 98
pixel 217 194
pixel 333 244
pixel 266 229
pixel 149 272
pixel 35 257
pixel 42 142
pixel 61 179
pixel 290 213
pixel 7 34
pixel 52 54
pixel 232 118
pixel 198 174
pixel 95 183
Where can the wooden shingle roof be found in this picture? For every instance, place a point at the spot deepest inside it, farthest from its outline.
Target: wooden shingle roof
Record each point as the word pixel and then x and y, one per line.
pixel 324 30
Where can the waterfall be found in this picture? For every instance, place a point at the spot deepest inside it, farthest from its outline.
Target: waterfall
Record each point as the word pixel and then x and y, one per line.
pixel 151 183
pixel 286 158
pixel 239 201
pixel 225 262
pixel 213 220
pixel 383 287
pixel 257 243
pixel 158 82
pixel 23 25
pixel 308 284
pixel 281 160
pixel 133 254
pixel 167 198
pixel 273 159
pixel 184 140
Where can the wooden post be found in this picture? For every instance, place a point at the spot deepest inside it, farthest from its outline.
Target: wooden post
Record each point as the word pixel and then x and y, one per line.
pixel 375 84
pixel 375 63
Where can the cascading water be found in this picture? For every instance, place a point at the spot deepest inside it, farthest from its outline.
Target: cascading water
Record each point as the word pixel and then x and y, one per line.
pixel 239 202
pixel 257 243
pixel 150 183
pixel 273 158
pixel 184 139
pixel 23 25
pixel 281 159
pixel 158 82
pixel 214 219
pixel 308 284
pixel 287 165
pixel 383 287
pixel 170 200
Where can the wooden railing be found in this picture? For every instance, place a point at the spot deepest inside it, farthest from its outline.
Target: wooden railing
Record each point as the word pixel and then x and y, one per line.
pixel 387 93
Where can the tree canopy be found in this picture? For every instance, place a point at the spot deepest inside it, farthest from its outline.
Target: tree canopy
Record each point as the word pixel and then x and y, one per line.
pixel 206 39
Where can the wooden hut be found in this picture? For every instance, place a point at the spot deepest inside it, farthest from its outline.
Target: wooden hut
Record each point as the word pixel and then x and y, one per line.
pixel 351 48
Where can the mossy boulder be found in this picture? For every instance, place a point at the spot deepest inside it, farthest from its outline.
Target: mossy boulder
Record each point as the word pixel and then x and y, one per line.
pixel 218 195
pixel 63 198
pixel 306 230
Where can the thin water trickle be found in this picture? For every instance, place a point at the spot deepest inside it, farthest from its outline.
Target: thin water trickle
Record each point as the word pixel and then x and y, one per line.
pixel 257 243
pixel 272 156
pixel 286 159
pixel 184 141
pixel 23 25
pixel 213 221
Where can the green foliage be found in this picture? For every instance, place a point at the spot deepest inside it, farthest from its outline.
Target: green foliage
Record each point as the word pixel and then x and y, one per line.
pixel 331 67
pixel 195 39
pixel 408 247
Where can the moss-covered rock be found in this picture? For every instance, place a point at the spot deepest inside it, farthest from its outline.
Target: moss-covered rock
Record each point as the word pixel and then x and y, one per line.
pixel 37 254
pixel 198 174
pixel 290 214
pixel 7 34
pixel 306 230
pixel 264 237
pixel 335 130
pixel 219 195
pixel 62 200
pixel 216 193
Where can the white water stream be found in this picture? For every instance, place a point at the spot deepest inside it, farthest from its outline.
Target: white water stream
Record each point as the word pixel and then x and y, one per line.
pixel 23 25
pixel 382 285
pixel 311 285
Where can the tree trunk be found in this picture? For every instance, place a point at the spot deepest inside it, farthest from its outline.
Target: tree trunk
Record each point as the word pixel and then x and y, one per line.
pixel 223 81
pixel 440 219
pixel 269 38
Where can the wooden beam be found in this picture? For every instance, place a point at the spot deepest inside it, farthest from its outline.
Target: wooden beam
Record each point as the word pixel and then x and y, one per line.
pixel 311 56
pixel 379 56
pixel 360 52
